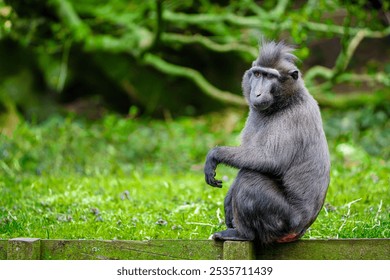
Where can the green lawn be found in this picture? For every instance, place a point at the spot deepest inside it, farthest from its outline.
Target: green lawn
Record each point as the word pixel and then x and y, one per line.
pixel 121 178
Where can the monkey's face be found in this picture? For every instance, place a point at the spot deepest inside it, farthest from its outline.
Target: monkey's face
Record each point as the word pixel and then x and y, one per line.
pixel 263 87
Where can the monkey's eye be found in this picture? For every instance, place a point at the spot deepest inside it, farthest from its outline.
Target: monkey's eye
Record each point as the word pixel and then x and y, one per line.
pixel 256 74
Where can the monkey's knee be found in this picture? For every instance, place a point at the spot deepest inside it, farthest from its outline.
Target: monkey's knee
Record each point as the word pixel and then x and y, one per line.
pixel 230 234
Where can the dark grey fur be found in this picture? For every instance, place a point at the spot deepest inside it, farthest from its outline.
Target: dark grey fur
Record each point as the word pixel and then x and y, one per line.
pixel 283 158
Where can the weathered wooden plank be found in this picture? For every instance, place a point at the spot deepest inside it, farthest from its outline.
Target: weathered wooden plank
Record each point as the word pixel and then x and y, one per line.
pixel 24 249
pixel 131 250
pixel 3 249
pixel 333 249
pixel 238 250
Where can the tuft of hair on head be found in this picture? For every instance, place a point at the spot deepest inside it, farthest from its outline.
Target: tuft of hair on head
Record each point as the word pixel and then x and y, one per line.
pixel 275 55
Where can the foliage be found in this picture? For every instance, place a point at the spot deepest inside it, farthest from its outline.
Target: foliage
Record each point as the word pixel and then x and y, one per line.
pixel 141 179
pixel 130 51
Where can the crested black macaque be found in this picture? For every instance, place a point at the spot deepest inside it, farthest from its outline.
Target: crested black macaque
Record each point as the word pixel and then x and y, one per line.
pixel 283 159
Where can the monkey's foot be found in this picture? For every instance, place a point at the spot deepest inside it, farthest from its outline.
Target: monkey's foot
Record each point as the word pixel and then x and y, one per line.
pixel 229 234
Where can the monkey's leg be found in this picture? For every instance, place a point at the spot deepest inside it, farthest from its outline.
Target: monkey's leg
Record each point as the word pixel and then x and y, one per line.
pixel 229 208
pixel 261 211
pixel 230 233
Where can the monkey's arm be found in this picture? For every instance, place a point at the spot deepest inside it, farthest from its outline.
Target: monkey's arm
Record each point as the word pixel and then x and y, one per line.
pixel 249 158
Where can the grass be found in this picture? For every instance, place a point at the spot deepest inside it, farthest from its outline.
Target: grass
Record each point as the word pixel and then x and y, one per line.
pixel 120 178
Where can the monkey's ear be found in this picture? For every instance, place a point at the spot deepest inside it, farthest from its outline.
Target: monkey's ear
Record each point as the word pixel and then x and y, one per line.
pixel 294 74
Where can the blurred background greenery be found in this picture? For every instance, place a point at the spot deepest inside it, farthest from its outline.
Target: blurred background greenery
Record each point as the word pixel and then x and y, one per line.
pixel 114 105
pixel 173 58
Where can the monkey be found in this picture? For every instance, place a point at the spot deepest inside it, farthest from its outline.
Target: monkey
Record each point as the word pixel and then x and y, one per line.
pixel 283 158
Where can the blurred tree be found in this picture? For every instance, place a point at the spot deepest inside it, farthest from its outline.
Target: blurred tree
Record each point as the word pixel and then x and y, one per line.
pixel 151 53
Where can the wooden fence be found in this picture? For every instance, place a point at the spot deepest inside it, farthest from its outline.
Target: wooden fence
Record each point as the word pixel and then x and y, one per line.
pixel 333 249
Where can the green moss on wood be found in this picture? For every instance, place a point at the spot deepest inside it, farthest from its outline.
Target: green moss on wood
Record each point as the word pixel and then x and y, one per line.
pixel 237 250
pixel 334 249
pixel 132 250
pixel 3 249
pixel 24 249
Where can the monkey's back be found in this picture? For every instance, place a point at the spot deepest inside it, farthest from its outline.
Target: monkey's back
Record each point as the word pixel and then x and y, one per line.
pixel 308 177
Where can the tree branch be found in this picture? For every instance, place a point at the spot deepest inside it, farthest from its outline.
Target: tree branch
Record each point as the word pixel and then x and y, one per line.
pixel 139 40
pixel 279 9
pixel 159 25
pixel 254 21
pixel 342 63
pixel 71 19
pixel 355 100
pixel 317 71
pixel 134 43
pixel 196 77
pixel 345 57
pixel 205 19
pixel 379 77
pixel 210 44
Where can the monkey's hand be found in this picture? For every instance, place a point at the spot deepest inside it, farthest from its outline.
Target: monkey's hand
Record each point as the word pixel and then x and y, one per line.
pixel 210 179
pixel 209 170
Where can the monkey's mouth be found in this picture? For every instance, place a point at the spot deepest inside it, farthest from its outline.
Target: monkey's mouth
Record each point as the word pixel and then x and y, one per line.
pixel 261 106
